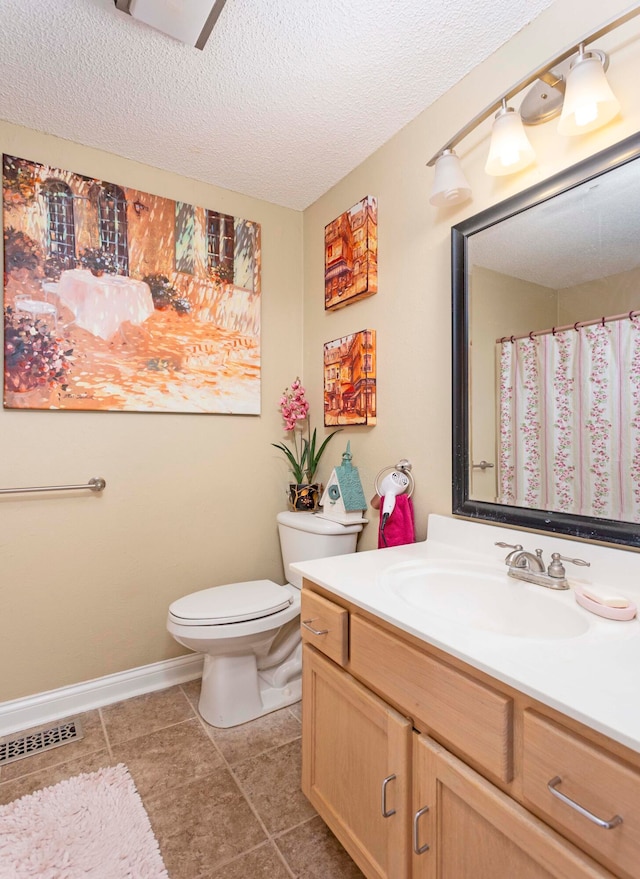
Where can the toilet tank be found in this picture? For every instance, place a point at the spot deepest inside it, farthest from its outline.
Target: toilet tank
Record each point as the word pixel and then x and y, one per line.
pixel 305 536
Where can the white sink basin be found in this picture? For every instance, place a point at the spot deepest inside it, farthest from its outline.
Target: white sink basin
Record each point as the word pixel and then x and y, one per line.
pixel 477 596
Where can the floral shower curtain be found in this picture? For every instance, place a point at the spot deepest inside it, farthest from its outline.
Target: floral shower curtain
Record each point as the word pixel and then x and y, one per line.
pixel 569 421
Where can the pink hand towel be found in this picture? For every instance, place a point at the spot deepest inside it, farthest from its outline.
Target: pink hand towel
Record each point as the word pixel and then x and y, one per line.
pixel 399 528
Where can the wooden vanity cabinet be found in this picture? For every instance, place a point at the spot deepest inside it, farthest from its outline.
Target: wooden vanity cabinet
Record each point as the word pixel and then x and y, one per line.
pixel 429 769
pixel 472 830
pixel 355 767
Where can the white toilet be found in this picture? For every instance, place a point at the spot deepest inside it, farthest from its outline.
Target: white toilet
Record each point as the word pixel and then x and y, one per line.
pixel 250 632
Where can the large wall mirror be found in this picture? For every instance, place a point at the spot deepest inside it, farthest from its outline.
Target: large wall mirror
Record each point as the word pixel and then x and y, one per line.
pixel 546 354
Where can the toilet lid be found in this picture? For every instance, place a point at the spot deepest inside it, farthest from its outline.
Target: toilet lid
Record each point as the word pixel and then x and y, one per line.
pixel 234 603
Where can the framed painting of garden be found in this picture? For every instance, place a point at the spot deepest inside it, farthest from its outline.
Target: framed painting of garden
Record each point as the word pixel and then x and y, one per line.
pixel 118 300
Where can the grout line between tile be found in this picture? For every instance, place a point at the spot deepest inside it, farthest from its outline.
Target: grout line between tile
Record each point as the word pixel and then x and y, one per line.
pixel 148 732
pixel 262 753
pixel 265 843
pixel 269 836
pixel 205 728
pixel 52 765
pixel 189 702
pixel 281 833
pixel 283 860
pixel 105 734
pixel 182 687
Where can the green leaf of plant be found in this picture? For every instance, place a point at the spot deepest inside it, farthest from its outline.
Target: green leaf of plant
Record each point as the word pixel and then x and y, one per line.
pixel 312 449
pixel 296 468
pixel 314 460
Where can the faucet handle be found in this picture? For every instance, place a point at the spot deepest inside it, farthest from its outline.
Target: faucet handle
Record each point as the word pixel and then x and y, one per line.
pixel 556 568
pixel 539 563
pixel 515 547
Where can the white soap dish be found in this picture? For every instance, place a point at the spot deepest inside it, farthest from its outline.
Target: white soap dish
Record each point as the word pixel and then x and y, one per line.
pixel 604 610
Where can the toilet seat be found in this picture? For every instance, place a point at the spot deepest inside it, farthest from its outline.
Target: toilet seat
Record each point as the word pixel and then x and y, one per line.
pixel 233 603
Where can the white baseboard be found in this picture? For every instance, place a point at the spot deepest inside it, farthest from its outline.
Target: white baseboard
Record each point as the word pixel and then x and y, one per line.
pixel 31 711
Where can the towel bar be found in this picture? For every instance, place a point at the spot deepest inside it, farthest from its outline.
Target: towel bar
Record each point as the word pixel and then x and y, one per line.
pixel 95 484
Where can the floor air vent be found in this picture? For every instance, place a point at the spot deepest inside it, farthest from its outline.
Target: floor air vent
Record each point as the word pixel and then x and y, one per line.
pixel 44 740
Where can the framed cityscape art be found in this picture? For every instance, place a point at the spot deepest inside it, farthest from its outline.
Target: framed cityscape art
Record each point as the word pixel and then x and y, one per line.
pixel 351 255
pixel 350 379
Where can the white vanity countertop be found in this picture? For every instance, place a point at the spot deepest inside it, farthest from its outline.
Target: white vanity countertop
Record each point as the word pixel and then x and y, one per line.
pixel 594 677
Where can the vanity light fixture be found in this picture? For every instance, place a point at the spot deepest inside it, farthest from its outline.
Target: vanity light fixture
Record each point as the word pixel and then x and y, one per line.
pixel 450 186
pixel 584 98
pixel 510 150
pixel 588 102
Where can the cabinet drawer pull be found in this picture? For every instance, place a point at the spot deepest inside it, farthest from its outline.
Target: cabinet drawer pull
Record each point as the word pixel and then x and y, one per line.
pixel 306 624
pixel 419 849
pixel 385 782
pixel 608 825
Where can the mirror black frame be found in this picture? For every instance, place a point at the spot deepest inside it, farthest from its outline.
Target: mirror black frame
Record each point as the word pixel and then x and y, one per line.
pixel 583 527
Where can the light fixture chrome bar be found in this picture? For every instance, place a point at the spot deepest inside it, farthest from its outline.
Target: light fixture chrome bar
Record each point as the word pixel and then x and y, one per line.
pixel 96 484
pixel 536 74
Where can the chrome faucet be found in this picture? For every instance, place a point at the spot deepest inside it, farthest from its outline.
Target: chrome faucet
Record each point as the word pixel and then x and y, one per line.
pixel 531 568
pixel 526 561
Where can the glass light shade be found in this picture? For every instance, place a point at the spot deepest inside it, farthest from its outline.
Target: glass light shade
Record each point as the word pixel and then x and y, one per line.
pixel 450 186
pixel 510 150
pixel 181 19
pixel 588 102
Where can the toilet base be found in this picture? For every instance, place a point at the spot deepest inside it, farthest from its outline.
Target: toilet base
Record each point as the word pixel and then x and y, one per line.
pixel 234 692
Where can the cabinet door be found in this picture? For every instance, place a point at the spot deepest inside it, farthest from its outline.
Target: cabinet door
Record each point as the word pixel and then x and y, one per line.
pixel 355 767
pixel 473 831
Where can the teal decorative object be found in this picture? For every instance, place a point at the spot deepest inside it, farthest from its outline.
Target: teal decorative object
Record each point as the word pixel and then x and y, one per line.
pixel 343 499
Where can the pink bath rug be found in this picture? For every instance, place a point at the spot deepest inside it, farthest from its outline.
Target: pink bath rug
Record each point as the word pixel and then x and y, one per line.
pixel 92 826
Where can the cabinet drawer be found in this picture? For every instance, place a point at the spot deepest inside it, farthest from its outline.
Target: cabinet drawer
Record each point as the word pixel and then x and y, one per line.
pixel 325 625
pixel 470 717
pixel 593 779
pixel 475 831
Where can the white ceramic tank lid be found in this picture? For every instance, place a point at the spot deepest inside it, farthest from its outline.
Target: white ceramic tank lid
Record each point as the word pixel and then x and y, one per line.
pixel 314 524
pixel 233 603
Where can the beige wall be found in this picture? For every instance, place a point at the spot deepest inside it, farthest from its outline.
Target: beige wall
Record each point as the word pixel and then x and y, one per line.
pixel 411 313
pixel 85 581
pixel 616 294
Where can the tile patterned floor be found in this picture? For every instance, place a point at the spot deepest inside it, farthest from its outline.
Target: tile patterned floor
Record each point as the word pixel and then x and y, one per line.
pixel 224 804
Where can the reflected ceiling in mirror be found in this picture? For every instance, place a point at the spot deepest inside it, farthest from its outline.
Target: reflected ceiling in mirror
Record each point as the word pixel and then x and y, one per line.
pixel 546 367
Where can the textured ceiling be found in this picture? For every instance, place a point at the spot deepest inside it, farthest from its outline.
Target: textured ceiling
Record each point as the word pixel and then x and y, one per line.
pixel 585 234
pixel 286 98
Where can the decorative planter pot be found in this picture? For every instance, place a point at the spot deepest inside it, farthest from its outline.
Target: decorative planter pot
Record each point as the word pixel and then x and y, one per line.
pixel 303 498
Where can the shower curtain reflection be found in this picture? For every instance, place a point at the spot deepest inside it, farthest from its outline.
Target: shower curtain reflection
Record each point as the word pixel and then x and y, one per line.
pixel 569 420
